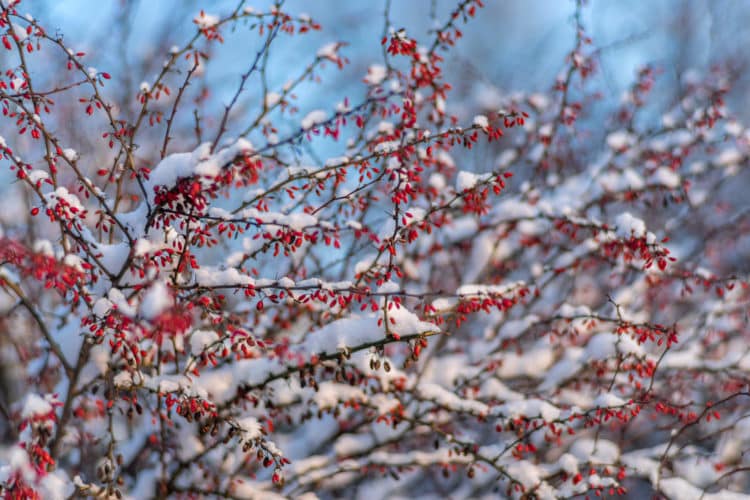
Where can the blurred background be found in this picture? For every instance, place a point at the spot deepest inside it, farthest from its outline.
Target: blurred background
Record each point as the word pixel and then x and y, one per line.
pixel 511 46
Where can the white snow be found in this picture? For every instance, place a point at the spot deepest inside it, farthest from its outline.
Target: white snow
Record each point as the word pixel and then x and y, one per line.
pixel 481 121
pixel 448 399
pixel 666 177
pixel 70 154
pixel 272 99
pixel 197 163
pixel 329 394
pixel 156 300
pixel 729 156
pixel 19 32
pixel 206 21
pixel 200 339
pixel 211 276
pixel 102 307
pixel 376 74
pixel 56 486
pixel 620 140
pixel 530 408
pixel 595 450
pixel 250 426
pixel 628 225
pixel 123 380
pixel 329 51
pixel 336 337
pixel 608 400
pixel 313 118
pixel 606 345
pixel 37 175
pixel 466 180
pixel 62 194
pixel 35 405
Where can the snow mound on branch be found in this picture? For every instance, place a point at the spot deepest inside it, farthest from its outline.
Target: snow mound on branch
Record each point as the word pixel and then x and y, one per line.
pixel 620 140
pixel 297 221
pixel 628 225
pixel 340 336
pixel 466 180
pixel 448 399
pixel 156 300
pixel 376 74
pixel 313 118
pixel 206 21
pixel 481 121
pixel 353 331
pixel 200 162
pixel 200 339
pixel 329 51
pixel 596 451
pixel 35 405
pixel 606 345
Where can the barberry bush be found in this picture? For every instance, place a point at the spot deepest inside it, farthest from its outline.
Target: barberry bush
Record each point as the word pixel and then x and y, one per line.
pixel 219 283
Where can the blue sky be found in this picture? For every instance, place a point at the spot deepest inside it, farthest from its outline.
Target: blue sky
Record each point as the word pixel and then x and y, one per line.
pixel 519 43
pixel 512 45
